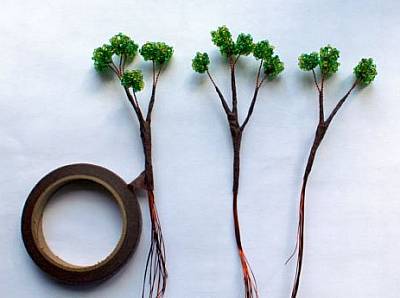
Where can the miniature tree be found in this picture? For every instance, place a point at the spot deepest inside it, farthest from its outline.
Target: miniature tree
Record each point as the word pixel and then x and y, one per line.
pixel 123 49
pixel 327 60
pixel 270 66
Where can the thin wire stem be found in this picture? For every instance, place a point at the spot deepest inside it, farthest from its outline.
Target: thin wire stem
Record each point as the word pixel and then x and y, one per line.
pixel 155 272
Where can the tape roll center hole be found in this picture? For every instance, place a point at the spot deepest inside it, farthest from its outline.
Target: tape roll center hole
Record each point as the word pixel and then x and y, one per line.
pixel 82 223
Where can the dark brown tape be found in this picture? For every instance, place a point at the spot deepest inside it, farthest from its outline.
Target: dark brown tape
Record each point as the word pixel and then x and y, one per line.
pixel 32 233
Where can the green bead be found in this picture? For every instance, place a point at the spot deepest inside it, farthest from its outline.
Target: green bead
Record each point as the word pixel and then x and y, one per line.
pixel 102 57
pixel 308 62
pixel 222 38
pixel 328 60
pixel 200 62
pixel 263 50
pixel 133 79
pixel 158 52
pixel 273 66
pixel 244 44
pixel 124 45
pixel 365 71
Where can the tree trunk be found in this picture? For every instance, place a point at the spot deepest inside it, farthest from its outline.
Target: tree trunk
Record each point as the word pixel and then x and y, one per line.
pixel 319 135
pixel 145 134
pixel 236 142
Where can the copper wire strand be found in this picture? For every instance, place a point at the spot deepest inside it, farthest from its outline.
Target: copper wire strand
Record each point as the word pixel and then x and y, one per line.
pixel 250 283
pixel 155 271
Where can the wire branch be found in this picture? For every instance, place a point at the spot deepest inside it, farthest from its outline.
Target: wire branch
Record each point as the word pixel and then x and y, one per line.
pixel 233 85
pixel 114 70
pixel 262 81
pixel 221 96
pixel 236 60
pixel 124 63
pixel 153 91
pixel 339 105
pixel 158 74
pixel 259 73
pixel 154 72
pixel 254 99
pixel 118 72
pixel 321 101
pixel 251 108
pixel 121 58
pixel 135 104
pixel 315 80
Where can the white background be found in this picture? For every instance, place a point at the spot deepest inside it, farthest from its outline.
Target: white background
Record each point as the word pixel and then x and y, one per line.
pixel 55 110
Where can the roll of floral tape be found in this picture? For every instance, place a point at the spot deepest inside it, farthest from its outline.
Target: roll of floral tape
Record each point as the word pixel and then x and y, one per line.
pixel 32 232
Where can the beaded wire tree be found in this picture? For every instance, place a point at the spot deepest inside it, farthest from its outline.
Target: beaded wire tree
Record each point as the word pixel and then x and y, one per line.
pixel 114 56
pixel 327 60
pixel 270 66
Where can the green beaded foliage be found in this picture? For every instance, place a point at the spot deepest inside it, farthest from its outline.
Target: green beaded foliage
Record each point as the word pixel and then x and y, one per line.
pixel 365 71
pixel 133 79
pixel 222 38
pixel 273 66
pixel 123 45
pixel 244 44
pixel 328 60
pixel 263 50
pixel 158 52
pixel 308 62
pixel 102 57
pixel 200 62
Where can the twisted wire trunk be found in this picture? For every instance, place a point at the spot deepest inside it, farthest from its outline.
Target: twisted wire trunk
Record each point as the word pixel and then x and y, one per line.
pixel 250 284
pixel 319 135
pixel 156 274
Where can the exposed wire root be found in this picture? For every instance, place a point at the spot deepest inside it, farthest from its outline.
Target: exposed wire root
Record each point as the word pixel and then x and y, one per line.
pixel 155 276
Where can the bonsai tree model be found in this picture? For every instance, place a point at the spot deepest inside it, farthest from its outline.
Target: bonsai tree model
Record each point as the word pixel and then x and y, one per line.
pixel 270 66
pixel 114 56
pixel 327 60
